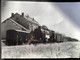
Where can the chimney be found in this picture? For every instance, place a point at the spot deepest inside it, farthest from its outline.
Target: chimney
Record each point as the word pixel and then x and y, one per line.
pixel 22 14
pixel 12 14
pixel 33 18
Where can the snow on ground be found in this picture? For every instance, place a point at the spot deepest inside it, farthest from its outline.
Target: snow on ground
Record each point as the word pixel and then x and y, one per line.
pixel 54 50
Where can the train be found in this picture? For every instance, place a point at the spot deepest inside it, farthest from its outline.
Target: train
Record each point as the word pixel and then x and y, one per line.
pixel 18 37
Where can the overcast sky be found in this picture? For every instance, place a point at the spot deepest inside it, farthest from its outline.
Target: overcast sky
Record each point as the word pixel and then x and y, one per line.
pixel 60 17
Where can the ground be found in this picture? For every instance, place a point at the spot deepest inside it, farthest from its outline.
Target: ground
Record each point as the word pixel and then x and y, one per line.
pixel 54 50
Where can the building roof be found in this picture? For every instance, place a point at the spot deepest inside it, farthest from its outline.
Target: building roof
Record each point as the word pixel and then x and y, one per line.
pixel 18 24
pixel 31 19
pixel 21 20
pixel 28 19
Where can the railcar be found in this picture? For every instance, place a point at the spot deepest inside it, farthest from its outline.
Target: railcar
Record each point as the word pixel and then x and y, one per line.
pixel 16 37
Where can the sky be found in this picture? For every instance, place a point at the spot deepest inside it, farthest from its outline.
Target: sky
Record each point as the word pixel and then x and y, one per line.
pixel 60 17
